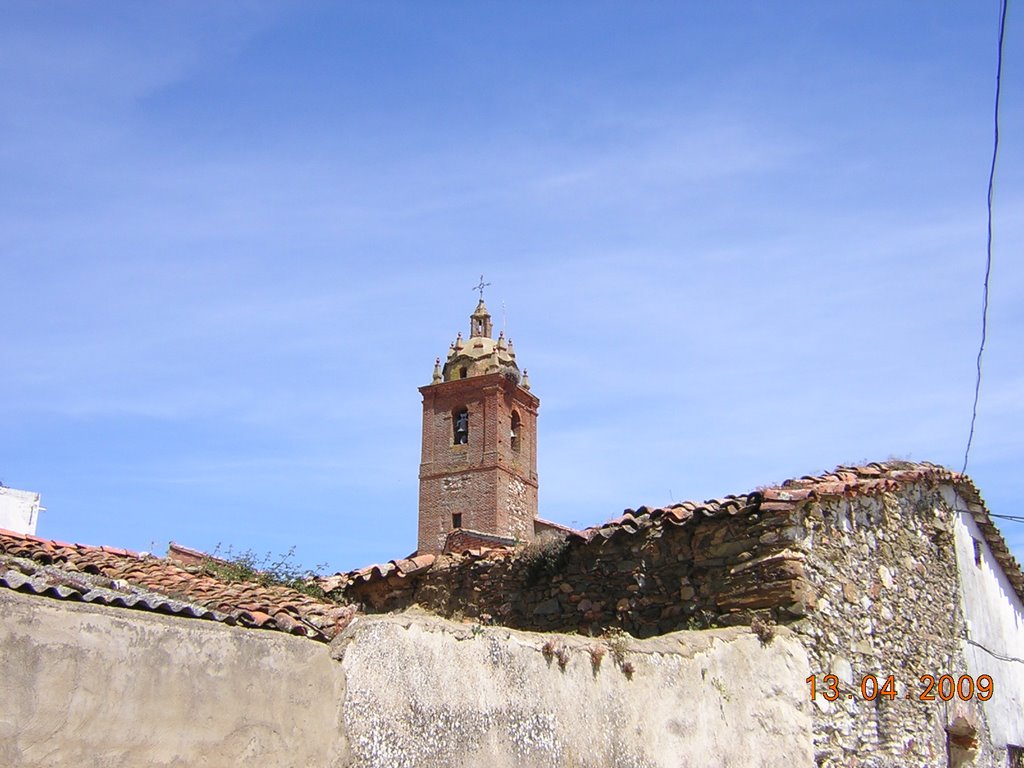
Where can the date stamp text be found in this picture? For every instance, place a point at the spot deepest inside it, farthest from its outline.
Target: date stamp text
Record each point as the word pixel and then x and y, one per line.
pixel 928 688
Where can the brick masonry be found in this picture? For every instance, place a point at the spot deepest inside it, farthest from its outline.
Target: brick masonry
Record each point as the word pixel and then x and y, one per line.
pixel 486 484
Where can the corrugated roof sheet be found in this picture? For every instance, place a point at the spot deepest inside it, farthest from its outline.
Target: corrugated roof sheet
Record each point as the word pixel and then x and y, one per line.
pixel 117 577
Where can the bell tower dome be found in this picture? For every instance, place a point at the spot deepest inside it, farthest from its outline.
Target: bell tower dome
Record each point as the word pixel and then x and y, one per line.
pixel 478 468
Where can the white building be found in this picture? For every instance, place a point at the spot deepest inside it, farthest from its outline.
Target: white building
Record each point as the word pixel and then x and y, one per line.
pixel 994 612
pixel 19 510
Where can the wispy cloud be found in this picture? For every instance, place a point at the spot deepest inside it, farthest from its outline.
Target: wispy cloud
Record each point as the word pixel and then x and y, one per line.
pixel 229 259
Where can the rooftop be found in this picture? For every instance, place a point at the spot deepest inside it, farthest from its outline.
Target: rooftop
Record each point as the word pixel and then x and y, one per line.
pixel 187 585
pixel 117 577
pixel 844 481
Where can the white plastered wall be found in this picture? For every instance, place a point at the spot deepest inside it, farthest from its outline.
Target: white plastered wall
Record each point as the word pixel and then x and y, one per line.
pixel 994 644
pixel 19 510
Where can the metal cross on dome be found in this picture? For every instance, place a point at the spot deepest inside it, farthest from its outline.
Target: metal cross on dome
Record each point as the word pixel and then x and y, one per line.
pixel 480 287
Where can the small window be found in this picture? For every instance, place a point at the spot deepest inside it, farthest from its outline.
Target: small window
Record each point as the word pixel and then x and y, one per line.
pixel 517 428
pixel 977 553
pixel 1014 756
pixel 463 372
pixel 457 520
pixel 460 427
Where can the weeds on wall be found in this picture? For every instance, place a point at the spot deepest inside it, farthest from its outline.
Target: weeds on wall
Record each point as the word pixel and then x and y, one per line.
pixel 618 643
pixel 543 558
pixel 562 654
pixel 764 628
pixel 267 571
pixel 548 650
pixel 703 619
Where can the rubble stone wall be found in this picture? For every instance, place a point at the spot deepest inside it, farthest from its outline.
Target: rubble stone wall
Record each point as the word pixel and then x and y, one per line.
pixel 868 581
pixel 884 569
pixel 710 572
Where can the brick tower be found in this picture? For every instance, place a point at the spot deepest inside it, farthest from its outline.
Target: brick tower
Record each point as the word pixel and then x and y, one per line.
pixel 478 471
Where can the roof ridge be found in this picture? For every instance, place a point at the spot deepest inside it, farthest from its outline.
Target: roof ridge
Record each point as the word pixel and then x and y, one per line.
pixel 249 603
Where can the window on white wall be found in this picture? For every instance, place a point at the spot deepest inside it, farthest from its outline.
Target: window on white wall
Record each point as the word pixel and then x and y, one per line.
pixel 977 557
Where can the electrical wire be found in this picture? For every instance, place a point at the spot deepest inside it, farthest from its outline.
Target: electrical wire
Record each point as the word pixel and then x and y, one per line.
pixel 1014 518
pixel 988 258
pixel 993 654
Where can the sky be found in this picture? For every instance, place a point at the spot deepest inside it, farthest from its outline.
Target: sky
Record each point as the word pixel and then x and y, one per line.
pixel 733 243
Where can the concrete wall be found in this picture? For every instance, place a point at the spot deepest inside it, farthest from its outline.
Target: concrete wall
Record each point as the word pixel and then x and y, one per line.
pixel 86 685
pixel 83 685
pixel 423 692
pixel 995 629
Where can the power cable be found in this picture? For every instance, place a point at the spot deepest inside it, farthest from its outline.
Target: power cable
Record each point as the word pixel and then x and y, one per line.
pixel 988 258
pixel 1014 518
pixel 994 654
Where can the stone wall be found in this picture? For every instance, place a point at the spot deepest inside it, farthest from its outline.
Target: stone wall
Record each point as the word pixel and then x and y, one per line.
pixel 885 571
pixel 647 578
pixel 868 580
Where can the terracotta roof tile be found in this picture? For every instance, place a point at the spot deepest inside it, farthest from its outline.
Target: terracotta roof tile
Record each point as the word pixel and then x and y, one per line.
pixel 398 568
pixel 161 585
pixel 871 479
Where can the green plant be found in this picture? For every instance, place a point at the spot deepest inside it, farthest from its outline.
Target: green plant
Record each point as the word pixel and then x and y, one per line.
pixel 618 643
pixel 268 571
pixel 543 558
pixel 720 687
pixel 703 619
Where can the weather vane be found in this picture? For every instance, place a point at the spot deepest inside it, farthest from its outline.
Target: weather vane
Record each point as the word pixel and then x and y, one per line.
pixel 480 287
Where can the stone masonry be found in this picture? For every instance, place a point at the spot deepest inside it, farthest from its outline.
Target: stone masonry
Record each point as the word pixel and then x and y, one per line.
pixel 859 563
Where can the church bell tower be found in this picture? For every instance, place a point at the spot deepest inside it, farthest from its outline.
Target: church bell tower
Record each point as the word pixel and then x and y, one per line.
pixel 478 470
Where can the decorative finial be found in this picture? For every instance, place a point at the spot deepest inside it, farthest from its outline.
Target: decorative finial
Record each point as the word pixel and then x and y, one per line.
pixel 437 371
pixel 480 287
pixel 525 383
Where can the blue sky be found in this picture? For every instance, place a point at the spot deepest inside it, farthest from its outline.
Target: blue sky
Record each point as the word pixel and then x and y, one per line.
pixel 733 243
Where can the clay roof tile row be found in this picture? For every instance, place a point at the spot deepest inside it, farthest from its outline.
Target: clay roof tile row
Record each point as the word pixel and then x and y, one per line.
pixel 844 481
pixel 164 586
pixel 409 566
